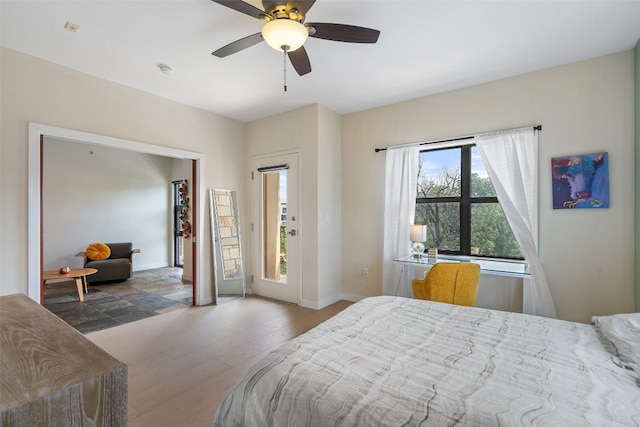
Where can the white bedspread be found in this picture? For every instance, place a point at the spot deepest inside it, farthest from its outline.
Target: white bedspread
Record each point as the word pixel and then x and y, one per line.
pixel 390 361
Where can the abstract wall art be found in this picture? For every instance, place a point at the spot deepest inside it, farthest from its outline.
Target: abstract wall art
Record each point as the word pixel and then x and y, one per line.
pixel 580 181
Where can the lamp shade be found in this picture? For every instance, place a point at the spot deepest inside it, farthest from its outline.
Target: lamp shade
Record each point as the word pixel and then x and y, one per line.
pixel 284 32
pixel 418 233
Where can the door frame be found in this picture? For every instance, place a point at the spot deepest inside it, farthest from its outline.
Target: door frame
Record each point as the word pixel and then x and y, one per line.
pixel 37 133
pixel 255 227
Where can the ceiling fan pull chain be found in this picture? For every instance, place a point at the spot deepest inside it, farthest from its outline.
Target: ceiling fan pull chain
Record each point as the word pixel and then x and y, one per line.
pixel 285 49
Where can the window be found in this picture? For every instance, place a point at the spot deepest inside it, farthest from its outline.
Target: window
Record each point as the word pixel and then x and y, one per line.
pixel 456 201
pixel 283 211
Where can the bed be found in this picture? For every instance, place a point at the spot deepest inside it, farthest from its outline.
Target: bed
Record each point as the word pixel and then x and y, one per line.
pixel 392 361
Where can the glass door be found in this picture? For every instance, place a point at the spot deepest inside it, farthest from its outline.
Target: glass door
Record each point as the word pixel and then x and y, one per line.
pixel 276 228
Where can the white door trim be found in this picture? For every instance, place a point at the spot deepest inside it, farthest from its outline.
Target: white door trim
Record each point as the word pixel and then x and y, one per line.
pixel 36 132
pixel 256 262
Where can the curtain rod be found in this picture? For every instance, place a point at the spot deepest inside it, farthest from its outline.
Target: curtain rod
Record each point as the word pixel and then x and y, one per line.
pixel 462 138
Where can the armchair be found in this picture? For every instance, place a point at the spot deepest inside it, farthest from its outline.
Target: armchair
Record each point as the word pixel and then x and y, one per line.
pixel 117 267
pixel 449 282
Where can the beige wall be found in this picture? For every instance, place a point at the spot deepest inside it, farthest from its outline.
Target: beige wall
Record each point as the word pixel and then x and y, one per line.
pixel 33 90
pixel 98 194
pixel 315 132
pixel 588 255
pixel 637 181
pixel 583 107
pixel 329 160
pixel 295 131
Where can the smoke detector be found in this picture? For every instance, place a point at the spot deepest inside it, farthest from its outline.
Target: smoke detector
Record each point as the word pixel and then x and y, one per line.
pixel 70 26
pixel 166 69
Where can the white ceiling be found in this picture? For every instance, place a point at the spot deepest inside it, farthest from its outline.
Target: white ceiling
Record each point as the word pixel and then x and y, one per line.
pixel 425 47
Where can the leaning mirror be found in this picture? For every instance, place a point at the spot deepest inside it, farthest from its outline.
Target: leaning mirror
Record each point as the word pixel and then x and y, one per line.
pixel 227 252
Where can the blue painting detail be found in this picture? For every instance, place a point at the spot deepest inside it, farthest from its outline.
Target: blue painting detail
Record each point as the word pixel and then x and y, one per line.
pixel 580 181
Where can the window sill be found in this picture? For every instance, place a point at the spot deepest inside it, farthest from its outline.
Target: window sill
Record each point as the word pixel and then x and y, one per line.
pixel 494 266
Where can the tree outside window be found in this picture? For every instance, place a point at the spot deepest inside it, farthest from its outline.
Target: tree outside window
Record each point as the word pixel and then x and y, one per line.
pixel 456 201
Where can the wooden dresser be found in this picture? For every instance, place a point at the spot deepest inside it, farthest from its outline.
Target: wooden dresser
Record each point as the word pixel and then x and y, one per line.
pixel 51 375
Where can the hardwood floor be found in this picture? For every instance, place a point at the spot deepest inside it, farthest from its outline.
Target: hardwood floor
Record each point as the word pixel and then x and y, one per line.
pixel 182 363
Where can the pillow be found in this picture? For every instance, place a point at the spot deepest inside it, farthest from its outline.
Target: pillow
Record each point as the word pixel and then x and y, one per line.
pixel 98 251
pixel 623 331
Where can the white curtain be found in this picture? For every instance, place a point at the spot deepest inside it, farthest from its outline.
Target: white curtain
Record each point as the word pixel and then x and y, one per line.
pixel 399 210
pixel 511 159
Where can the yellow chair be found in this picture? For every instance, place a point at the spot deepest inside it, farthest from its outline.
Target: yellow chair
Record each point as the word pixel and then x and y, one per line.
pixel 450 282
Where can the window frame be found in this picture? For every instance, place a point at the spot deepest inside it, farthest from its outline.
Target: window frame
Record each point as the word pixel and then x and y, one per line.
pixel 465 202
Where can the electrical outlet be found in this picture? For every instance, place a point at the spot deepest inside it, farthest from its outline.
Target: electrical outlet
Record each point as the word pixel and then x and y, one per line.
pixel 365 272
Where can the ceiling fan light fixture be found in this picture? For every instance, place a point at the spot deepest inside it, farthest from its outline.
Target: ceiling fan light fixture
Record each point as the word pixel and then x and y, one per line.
pixel 281 33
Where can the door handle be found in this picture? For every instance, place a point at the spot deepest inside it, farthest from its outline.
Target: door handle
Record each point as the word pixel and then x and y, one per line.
pixel 292 232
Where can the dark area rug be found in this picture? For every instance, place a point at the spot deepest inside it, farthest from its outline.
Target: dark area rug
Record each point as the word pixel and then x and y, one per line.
pixel 148 293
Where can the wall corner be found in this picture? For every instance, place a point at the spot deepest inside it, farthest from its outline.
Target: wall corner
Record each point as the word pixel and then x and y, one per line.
pixel 637 173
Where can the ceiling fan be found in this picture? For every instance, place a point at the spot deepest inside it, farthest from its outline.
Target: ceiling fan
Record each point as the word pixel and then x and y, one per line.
pixel 285 30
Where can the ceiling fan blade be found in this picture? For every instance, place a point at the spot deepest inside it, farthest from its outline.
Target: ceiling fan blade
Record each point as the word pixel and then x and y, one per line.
pixel 303 6
pixel 300 61
pixel 242 7
pixel 238 45
pixel 343 33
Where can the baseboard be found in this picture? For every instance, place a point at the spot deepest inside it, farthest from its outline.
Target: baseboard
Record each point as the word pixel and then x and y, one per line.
pixel 205 301
pixel 319 305
pixel 137 267
pixel 352 298
pixel 315 305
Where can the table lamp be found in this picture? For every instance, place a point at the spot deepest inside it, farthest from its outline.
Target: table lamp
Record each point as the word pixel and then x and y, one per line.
pixel 418 234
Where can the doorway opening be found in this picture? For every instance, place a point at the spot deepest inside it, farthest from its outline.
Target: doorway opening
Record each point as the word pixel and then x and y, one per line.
pixel 275 259
pixel 37 134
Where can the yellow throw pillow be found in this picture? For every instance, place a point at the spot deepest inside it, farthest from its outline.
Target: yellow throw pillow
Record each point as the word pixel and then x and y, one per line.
pixel 98 251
